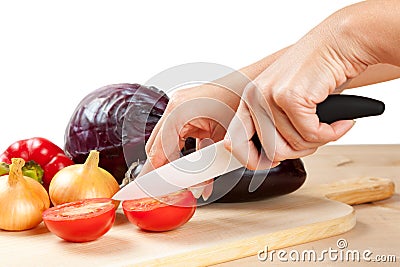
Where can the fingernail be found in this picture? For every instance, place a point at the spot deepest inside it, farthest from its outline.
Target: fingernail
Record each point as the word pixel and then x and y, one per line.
pixel 352 125
pixel 196 191
pixel 207 191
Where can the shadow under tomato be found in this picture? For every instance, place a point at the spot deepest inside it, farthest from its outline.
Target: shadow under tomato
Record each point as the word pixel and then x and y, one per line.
pixel 106 244
pixel 120 218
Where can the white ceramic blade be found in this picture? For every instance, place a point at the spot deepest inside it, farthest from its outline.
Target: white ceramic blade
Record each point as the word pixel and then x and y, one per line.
pixel 197 167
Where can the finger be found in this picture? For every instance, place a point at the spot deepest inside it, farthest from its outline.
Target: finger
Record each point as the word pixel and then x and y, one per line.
pixel 166 146
pixel 203 189
pixel 264 125
pixel 283 150
pixel 147 167
pixel 266 132
pixel 307 124
pixel 238 138
pixel 207 185
pixel 290 133
pixel 342 127
pixel 208 189
pixel 154 133
pixel 167 112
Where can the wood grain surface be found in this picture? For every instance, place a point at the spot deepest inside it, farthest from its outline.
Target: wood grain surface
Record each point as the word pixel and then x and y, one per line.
pixel 378 223
pixel 217 233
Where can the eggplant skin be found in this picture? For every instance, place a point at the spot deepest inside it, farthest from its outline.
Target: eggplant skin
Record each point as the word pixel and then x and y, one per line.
pixel 233 187
pixel 115 120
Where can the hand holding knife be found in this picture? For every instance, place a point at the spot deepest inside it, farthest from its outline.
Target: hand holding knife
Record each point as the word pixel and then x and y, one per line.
pixel 215 160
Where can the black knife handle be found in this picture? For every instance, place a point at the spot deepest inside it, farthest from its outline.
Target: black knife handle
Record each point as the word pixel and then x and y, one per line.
pixel 343 107
pixel 348 107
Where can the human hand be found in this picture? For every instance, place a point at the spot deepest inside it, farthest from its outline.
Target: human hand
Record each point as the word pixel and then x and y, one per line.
pixel 280 105
pixel 201 112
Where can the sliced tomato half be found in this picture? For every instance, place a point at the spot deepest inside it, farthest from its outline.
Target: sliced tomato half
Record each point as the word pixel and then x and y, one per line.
pixel 81 221
pixel 167 213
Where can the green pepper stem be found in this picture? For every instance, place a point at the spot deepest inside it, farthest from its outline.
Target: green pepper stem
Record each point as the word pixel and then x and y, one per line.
pixel 33 170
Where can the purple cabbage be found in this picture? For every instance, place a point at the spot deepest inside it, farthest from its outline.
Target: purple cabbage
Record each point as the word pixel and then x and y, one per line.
pixel 116 120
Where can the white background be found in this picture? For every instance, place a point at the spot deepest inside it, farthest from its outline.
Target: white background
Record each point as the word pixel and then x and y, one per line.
pixel 53 53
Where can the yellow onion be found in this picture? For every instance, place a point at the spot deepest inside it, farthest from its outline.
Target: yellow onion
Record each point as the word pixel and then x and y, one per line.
pixel 82 181
pixel 22 199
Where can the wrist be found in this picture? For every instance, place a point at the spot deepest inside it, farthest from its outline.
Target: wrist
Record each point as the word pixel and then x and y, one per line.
pixel 342 44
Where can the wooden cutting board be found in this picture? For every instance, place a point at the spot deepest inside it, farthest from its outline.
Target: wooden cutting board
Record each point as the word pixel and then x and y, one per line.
pixel 217 233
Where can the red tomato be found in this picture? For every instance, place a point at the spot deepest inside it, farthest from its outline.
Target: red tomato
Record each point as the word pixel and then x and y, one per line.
pixel 170 212
pixel 81 221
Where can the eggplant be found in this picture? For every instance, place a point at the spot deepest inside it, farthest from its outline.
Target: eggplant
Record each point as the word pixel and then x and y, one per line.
pixel 116 120
pixel 234 186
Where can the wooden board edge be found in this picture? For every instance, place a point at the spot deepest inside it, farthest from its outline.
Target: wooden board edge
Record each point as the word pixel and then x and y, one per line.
pixel 354 191
pixel 251 246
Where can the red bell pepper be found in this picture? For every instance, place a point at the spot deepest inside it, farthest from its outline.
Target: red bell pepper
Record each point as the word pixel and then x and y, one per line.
pixel 47 155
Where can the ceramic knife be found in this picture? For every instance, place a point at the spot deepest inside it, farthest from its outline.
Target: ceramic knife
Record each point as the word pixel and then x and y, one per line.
pixel 215 160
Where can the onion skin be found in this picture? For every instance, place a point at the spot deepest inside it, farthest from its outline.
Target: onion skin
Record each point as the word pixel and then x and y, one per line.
pixel 22 199
pixel 115 120
pixel 82 181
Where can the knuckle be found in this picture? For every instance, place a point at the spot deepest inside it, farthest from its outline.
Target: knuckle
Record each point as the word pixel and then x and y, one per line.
pixel 172 104
pixel 297 144
pixel 252 92
pixel 149 150
pixel 177 95
pixel 288 98
pixel 247 93
pixel 257 85
pixel 177 98
pixel 282 98
pixel 279 98
pixel 155 158
pixel 311 136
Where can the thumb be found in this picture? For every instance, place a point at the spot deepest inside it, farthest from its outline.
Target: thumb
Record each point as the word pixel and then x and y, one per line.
pixel 342 127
